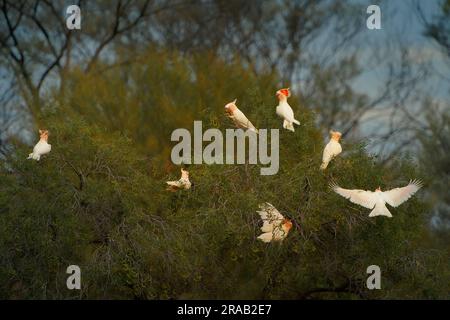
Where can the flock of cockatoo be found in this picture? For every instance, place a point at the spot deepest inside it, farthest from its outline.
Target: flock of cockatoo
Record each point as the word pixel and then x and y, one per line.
pixel 275 226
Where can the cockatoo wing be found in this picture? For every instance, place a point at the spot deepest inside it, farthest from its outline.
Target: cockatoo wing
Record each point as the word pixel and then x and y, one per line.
pixel 267 226
pixel 242 120
pixel 285 111
pixel 332 149
pixel 41 148
pixel 277 233
pixel 336 148
pixel 269 212
pixel 327 153
pixel 367 199
pixel 38 147
pixel 271 217
pixel 186 183
pixel 266 237
pixel 397 196
pixel 45 148
pixel 273 227
pixel 174 183
pixel 289 114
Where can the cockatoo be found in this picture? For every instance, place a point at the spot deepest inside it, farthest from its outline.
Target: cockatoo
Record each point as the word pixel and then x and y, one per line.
pixel 42 147
pixel 275 226
pixel 284 110
pixel 377 200
pixel 181 184
pixel 238 117
pixel 332 149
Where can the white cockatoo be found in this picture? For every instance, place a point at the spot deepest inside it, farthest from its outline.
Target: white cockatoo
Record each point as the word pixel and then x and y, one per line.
pixel 377 200
pixel 238 117
pixel 284 110
pixel 42 147
pixel 275 226
pixel 332 149
pixel 182 184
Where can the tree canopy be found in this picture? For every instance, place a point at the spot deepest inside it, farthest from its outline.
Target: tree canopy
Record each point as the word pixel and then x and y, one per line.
pixel 98 200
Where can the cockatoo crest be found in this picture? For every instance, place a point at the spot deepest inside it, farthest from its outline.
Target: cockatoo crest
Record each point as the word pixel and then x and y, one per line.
pixel 285 92
pixel 335 135
pixel 43 134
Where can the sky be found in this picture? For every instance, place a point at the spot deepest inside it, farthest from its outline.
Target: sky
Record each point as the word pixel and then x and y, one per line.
pixel 401 27
pixel 401 22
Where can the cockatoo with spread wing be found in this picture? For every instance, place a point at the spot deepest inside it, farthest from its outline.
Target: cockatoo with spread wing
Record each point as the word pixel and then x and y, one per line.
pixel 377 200
pixel 332 149
pixel 181 184
pixel 238 117
pixel 42 147
pixel 284 110
pixel 275 226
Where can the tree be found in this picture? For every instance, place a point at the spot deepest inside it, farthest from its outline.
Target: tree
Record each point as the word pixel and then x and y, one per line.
pixel 98 200
pixel 435 142
pixel 433 134
pixel 304 41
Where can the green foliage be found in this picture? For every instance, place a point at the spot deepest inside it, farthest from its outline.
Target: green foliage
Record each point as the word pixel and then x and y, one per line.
pixel 435 160
pixel 98 200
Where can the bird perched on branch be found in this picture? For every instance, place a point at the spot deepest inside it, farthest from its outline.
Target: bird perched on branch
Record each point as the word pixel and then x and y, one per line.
pixel 377 200
pixel 284 110
pixel 275 226
pixel 332 149
pixel 182 184
pixel 42 147
pixel 238 117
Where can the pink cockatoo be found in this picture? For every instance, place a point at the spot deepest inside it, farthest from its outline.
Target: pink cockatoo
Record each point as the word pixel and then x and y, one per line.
pixel 332 149
pixel 377 200
pixel 42 147
pixel 284 110
pixel 238 117
pixel 182 184
pixel 275 226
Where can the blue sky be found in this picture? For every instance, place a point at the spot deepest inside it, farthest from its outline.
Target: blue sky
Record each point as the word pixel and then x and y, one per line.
pixel 400 22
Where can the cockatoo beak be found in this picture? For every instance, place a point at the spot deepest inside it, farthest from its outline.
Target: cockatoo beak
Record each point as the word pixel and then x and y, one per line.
pixel 278 95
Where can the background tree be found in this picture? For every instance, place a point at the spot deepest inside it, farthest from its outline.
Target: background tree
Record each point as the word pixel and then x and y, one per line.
pixel 314 45
pixel 435 129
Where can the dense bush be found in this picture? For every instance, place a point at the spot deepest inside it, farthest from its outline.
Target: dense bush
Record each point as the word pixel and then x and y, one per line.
pixel 98 200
